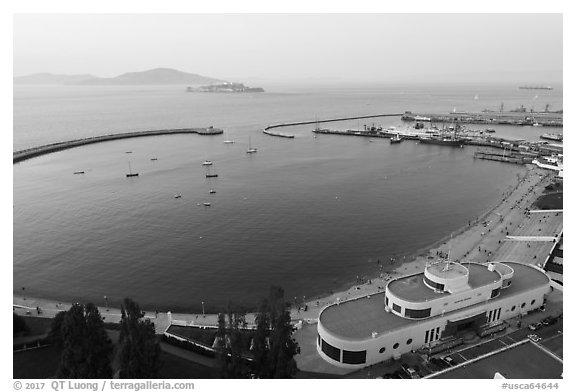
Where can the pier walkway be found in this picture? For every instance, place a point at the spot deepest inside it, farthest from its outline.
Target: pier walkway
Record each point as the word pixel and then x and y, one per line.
pixel 291 124
pixel 23 155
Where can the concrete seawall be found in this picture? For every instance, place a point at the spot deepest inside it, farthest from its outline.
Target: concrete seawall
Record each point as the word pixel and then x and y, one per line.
pixel 330 120
pixel 23 155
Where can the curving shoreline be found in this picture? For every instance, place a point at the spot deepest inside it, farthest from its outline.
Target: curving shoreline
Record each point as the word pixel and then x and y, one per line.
pixel 461 242
pixel 22 155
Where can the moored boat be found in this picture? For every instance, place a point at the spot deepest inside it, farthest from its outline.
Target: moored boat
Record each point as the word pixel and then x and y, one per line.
pixel 552 136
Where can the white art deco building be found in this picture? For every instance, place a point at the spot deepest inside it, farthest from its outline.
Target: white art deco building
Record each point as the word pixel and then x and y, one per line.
pixel 418 310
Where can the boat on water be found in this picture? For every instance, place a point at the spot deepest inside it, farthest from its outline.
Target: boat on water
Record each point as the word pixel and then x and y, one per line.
pixel 396 139
pixel 130 174
pixel 79 172
pixel 207 204
pixel 212 191
pixel 178 196
pixel 536 88
pixel 229 141
pixel 209 175
pixel 552 136
pixel 489 130
pixel 207 163
pixel 153 159
pixel 251 150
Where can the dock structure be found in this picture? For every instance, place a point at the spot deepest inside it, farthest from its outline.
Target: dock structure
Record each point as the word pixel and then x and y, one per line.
pixel 545 119
pixel 491 156
pixel 23 155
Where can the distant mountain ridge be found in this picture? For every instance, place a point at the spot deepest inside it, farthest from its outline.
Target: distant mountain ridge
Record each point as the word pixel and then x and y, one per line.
pixel 157 76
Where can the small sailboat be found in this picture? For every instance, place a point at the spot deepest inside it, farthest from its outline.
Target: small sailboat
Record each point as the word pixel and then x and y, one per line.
pixel 178 196
pixel 207 163
pixel 130 174
pixel 209 174
pixel 212 191
pixel 251 150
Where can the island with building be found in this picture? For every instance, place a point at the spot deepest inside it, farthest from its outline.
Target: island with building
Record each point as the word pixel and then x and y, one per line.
pixel 226 87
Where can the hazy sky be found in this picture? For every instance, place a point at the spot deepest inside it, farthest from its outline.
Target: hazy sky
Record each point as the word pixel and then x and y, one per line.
pixel 379 47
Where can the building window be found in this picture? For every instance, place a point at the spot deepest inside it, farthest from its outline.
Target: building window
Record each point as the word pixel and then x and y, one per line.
pixel 331 351
pixel 386 300
pixel 513 308
pixel 495 292
pixel 523 305
pixel 354 357
pixel 395 346
pixel 420 313
pixel 434 285
pixel 409 341
pixel 397 308
pixel 533 302
pixel 426 336
pixel 381 351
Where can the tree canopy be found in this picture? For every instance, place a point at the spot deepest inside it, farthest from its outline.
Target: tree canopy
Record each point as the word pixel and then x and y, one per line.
pixel 139 350
pixel 86 348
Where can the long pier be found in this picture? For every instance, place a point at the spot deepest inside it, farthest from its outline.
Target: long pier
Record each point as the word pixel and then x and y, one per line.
pixel 23 155
pixel 291 124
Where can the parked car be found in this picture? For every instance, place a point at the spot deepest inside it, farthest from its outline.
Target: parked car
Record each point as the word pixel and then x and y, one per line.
pixel 549 321
pixel 535 326
pixel 440 363
pixel 410 372
pixel 449 360
pixel 534 338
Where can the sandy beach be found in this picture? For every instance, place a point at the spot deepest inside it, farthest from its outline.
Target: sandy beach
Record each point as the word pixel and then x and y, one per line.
pixel 478 241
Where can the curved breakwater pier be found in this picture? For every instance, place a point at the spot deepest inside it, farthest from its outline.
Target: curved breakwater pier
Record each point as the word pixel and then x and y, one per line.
pixel 23 155
pixel 290 124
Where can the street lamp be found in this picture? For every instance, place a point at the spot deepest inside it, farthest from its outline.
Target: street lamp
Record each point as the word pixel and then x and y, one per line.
pixel 203 314
pixel 106 300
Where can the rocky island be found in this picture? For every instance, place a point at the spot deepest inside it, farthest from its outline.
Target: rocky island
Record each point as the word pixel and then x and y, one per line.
pixel 226 87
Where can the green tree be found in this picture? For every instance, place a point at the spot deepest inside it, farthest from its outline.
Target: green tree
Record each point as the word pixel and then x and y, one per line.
pixel 274 347
pixel 55 333
pixel 100 346
pixel 232 344
pixel 139 351
pixel 86 348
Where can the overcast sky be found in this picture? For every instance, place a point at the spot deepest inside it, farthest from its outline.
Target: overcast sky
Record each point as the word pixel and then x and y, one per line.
pixel 275 47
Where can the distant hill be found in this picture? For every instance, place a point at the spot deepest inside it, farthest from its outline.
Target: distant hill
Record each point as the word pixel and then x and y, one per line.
pixel 48 78
pixel 152 77
pixel 156 76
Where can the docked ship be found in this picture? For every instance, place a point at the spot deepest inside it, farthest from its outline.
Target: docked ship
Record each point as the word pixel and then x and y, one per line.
pixel 552 136
pixel 442 140
pixel 535 88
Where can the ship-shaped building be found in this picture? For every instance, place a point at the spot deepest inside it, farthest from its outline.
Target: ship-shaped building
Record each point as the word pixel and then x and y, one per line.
pixel 427 310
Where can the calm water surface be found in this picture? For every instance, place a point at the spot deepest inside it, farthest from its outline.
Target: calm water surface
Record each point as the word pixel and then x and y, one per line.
pixel 309 214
